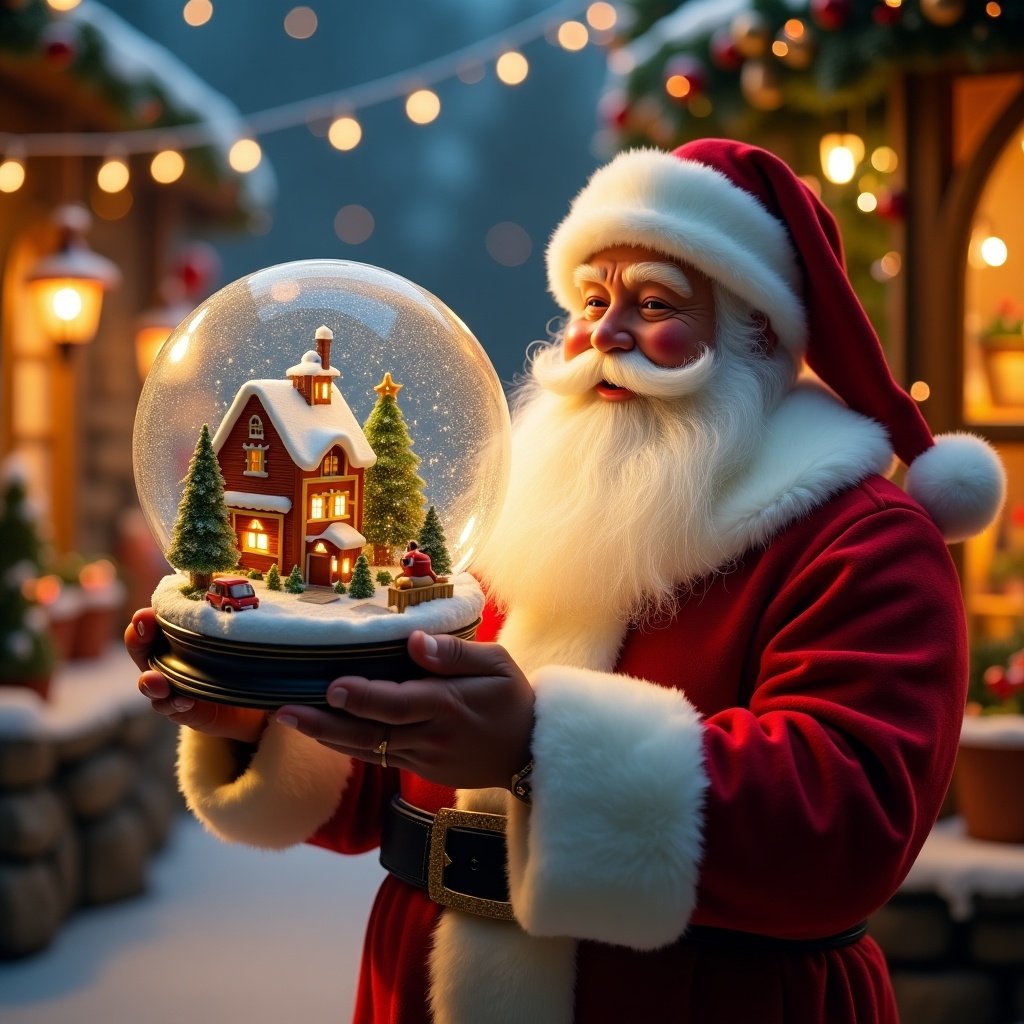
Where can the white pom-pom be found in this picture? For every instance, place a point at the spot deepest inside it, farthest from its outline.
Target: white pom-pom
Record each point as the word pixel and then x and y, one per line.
pixel 961 484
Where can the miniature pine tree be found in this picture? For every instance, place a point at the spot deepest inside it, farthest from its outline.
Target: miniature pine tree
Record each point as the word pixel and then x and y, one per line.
pixel 362 582
pixel 202 540
pixel 339 587
pixel 384 578
pixel 295 584
pixel 26 650
pixel 393 492
pixel 432 542
pixel 274 578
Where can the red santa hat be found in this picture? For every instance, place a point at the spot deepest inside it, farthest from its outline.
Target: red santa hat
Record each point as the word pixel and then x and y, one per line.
pixel 741 215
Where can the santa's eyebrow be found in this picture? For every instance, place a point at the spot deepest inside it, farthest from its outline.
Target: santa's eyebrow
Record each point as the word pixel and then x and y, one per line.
pixel 587 272
pixel 660 272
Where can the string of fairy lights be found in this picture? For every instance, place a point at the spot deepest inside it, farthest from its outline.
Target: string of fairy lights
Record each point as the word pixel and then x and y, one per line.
pixel 569 25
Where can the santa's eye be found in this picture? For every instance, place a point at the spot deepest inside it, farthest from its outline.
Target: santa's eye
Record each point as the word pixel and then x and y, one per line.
pixel 655 304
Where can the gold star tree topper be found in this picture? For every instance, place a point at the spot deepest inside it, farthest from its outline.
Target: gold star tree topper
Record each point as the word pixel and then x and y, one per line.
pixel 387 388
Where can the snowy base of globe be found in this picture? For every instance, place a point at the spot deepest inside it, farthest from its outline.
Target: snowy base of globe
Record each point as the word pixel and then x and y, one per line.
pixel 288 650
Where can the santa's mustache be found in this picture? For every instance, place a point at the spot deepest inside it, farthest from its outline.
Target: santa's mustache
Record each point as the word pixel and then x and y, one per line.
pixel 631 370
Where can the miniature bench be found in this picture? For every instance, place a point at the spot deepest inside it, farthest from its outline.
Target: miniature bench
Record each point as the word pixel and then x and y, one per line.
pixel 402 599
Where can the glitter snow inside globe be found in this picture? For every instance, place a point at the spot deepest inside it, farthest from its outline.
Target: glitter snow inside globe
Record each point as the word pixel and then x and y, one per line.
pixel 320 448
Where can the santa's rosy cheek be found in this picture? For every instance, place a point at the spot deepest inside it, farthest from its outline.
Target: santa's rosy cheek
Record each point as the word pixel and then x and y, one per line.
pixel 671 345
pixel 577 338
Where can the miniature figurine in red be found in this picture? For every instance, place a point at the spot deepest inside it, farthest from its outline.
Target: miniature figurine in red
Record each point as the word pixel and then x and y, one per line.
pixel 678 791
pixel 416 568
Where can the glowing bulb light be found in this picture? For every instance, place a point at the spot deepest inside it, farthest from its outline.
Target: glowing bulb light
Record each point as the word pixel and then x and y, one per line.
pixel 345 133
pixel 840 155
pixel 113 175
pixel 423 106
pixel 993 251
pixel 601 16
pixel 573 35
pixel 167 166
pixel 12 175
pixel 512 68
pixel 245 155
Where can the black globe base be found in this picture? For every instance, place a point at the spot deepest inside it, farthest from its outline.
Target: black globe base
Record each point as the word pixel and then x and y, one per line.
pixel 258 675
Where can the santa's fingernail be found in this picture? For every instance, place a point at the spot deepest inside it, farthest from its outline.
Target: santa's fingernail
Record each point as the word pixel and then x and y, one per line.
pixel 430 645
pixel 140 628
pixel 183 703
pixel 289 721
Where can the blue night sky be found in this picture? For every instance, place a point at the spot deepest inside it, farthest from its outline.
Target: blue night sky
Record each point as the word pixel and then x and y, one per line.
pixel 496 155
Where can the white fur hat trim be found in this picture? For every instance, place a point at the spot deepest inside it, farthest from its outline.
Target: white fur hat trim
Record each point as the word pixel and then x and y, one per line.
pixel 691 212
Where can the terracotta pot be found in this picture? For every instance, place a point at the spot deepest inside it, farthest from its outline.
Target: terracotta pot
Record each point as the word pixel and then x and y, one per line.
pixel 989 778
pixel 1004 367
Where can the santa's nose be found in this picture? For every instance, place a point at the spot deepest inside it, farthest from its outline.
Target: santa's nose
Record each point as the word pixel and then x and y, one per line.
pixel 609 335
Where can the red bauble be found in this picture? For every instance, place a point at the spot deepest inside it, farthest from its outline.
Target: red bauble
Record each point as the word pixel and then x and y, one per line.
pixel 723 52
pixel 690 68
pixel 883 14
pixel 197 267
pixel 614 109
pixel 60 44
pixel 831 14
pixel 892 204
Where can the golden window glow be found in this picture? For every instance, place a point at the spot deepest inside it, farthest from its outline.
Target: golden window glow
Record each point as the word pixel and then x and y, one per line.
pixel 254 460
pixel 316 508
pixel 324 391
pixel 330 465
pixel 337 505
pixel 346 566
pixel 321 548
pixel 255 541
pixel 255 524
pixel 334 565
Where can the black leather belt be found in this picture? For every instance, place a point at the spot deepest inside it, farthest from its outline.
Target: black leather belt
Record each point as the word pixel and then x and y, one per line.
pixel 459 858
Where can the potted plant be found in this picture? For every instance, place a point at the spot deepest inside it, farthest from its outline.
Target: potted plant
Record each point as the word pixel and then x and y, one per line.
pixel 1002 347
pixel 989 777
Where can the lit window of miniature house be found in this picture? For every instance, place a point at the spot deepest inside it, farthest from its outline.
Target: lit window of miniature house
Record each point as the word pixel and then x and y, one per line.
pixel 277 445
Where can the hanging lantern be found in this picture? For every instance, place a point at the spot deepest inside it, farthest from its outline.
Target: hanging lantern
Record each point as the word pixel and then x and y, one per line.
pixel 831 15
pixel 841 152
pixel 751 33
pixel 68 286
pixel 943 12
pixel 761 85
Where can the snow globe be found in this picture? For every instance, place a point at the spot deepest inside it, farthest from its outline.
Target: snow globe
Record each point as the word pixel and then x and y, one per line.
pixel 320 448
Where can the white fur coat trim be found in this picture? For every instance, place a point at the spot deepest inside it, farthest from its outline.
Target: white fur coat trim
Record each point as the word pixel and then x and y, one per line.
pixel 611 848
pixel 291 787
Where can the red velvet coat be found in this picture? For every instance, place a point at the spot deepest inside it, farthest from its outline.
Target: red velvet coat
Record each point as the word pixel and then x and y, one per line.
pixel 829 668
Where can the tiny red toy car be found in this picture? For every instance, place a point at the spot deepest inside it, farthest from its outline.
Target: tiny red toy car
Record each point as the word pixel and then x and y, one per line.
pixel 232 594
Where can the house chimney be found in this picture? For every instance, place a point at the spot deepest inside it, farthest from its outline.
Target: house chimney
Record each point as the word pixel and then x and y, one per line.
pixel 324 337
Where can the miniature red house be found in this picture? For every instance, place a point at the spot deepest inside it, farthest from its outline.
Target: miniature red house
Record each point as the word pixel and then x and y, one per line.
pixel 293 456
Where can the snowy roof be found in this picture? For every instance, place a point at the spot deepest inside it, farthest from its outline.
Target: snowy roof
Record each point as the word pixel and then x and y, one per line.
pixel 311 366
pixel 341 535
pixel 259 502
pixel 308 431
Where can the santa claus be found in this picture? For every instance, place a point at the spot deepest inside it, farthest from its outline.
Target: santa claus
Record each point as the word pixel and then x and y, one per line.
pixel 676 792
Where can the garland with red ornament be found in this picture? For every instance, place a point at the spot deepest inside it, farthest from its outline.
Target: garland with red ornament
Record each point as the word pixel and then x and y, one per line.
pixel 680 70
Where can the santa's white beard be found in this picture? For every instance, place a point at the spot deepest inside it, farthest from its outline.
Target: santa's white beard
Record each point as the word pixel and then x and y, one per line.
pixel 611 506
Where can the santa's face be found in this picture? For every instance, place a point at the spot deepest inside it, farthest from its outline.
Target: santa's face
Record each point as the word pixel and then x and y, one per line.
pixel 631 298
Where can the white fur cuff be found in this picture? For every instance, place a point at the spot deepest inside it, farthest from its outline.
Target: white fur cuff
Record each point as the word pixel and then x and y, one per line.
pixel 291 787
pixel 610 848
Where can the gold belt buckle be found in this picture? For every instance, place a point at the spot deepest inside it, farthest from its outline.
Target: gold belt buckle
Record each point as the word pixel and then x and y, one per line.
pixel 446 818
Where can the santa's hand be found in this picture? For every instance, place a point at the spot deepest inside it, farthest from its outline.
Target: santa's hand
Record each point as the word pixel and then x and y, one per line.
pixel 244 724
pixel 467 724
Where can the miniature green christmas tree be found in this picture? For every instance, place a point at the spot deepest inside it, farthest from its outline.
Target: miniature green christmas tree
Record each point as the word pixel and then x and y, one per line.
pixel 362 583
pixel 295 584
pixel 432 542
pixel 339 587
pixel 202 540
pixel 384 578
pixel 274 578
pixel 26 651
pixel 393 503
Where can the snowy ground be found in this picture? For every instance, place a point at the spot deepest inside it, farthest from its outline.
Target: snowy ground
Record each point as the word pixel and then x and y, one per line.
pixel 224 934
pixel 284 618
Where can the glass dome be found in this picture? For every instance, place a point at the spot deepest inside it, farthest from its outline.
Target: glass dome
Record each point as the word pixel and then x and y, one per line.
pixel 262 325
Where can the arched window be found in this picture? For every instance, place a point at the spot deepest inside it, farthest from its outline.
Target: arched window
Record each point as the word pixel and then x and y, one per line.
pixel 331 465
pixel 255 427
